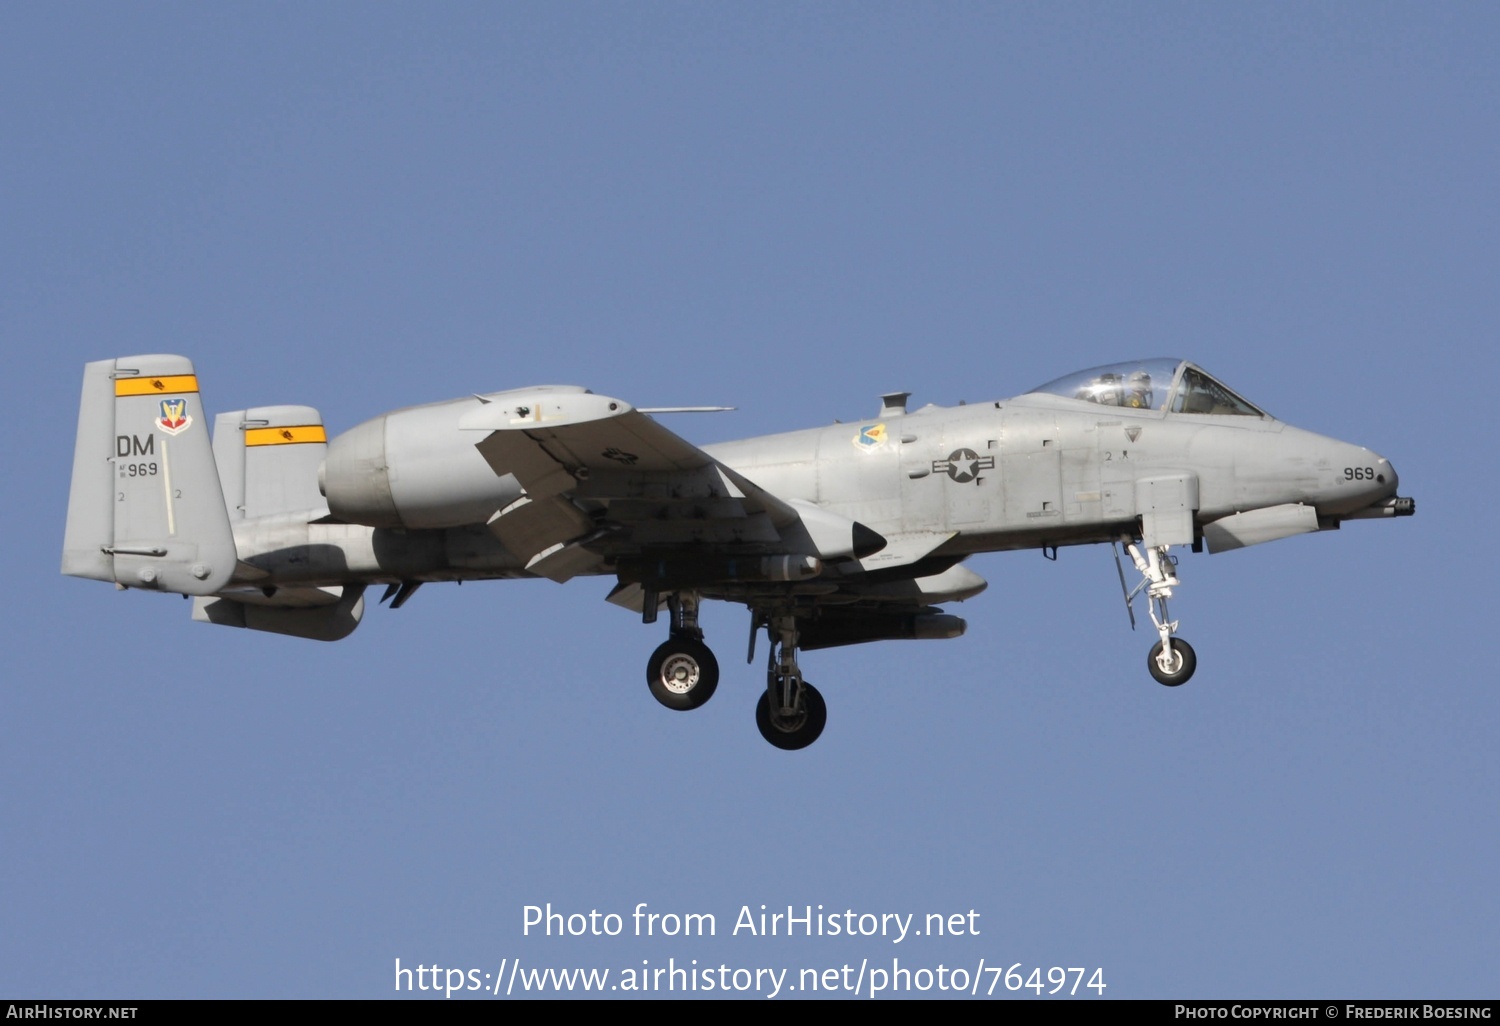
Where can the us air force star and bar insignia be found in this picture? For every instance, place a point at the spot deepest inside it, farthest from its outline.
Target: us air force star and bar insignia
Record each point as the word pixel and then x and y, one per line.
pixel 963 465
pixel 871 437
pixel 174 419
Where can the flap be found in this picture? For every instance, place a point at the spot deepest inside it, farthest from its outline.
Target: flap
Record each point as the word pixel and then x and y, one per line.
pixel 596 468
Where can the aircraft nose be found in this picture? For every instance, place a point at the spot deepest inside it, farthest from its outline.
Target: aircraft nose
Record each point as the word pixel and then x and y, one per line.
pixel 1386 474
pixel 1368 477
pixel 1360 478
pixel 1369 489
pixel 1373 475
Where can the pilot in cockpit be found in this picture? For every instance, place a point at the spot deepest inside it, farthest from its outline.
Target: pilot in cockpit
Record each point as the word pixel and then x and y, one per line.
pixel 1111 389
pixel 1103 390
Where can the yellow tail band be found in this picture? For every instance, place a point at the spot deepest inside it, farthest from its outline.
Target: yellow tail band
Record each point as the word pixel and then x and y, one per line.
pixel 171 384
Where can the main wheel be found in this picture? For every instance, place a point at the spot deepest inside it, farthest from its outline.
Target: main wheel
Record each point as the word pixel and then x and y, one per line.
pixel 682 673
pixel 1184 662
pixel 797 729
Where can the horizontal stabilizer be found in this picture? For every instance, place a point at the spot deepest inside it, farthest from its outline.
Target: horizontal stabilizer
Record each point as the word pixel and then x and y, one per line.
pixel 329 615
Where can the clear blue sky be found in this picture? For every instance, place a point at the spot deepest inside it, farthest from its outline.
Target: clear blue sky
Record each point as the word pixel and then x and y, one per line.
pixel 788 209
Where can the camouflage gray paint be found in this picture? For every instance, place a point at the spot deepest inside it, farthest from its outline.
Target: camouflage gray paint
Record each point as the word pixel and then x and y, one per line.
pixel 830 536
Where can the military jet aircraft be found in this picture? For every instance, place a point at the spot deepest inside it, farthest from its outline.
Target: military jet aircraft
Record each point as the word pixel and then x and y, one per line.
pixel 830 536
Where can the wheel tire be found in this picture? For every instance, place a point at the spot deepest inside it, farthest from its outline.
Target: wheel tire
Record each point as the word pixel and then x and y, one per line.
pixel 682 674
pixel 800 731
pixel 1187 662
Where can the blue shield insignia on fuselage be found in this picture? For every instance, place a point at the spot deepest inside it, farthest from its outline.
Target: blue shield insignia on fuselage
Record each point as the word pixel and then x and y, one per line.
pixel 870 437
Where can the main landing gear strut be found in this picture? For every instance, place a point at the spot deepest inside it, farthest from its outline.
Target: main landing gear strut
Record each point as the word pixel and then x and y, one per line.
pixel 1172 660
pixel 682 673
pixel 791 713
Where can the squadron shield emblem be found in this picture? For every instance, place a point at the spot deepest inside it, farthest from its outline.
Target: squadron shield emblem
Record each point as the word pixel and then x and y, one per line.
pixel 870 437
pixel 174 419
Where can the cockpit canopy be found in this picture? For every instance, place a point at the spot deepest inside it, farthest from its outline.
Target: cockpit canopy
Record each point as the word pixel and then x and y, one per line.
pixel 1165 384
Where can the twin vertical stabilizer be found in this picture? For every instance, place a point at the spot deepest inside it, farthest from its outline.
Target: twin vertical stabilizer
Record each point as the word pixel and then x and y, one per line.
pixel 268 459
pixel 145 509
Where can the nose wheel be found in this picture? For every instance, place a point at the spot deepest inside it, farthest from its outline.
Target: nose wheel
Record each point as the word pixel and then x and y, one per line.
pixel 1172 667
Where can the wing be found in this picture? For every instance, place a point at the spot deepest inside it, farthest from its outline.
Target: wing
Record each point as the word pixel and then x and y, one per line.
pixel 603 482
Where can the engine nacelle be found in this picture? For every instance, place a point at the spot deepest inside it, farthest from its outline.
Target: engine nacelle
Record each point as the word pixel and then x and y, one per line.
pixel 417 468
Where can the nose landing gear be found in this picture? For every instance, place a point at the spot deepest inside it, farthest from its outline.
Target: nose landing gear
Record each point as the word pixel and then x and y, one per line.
pixel 1171 660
